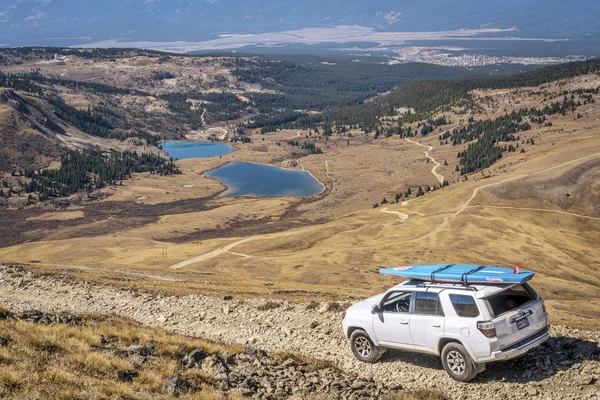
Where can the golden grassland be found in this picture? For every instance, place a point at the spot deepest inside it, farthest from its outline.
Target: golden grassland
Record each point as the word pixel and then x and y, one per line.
pixel 65 362
pixel 539 207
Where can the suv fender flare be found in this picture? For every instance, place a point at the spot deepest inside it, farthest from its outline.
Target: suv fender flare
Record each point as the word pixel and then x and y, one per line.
pixel 365 328
pixel 441 341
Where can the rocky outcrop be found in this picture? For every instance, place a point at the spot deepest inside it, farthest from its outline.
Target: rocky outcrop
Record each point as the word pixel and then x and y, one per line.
pixel 257 374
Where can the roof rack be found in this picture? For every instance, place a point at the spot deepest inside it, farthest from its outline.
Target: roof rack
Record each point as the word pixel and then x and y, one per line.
pixel 446 285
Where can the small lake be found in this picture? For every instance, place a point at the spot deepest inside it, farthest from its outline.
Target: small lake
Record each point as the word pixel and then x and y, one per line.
pixel 183 150
pixel 247 179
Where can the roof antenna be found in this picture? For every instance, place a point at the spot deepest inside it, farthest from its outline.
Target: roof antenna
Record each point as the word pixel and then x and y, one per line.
pixel 517 268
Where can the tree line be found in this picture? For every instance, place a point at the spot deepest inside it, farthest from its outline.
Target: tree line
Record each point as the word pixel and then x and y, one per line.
pixel 89 170
pixel 427 96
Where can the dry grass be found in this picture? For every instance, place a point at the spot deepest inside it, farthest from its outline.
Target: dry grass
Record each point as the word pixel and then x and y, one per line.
pixel 67 362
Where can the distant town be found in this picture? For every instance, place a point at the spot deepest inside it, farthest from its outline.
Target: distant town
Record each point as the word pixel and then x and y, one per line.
pixel 450 57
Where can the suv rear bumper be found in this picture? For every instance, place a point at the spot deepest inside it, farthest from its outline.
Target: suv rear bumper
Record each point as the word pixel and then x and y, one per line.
pixel 519 348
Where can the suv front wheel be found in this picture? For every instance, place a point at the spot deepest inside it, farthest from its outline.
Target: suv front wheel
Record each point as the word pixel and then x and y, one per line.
pixel 363 347
pixel 458 363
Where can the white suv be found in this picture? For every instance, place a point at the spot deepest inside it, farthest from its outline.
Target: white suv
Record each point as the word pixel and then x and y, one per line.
pixel 467 325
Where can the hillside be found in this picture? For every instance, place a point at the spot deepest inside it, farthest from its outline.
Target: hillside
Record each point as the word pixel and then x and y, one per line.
pixel 97 356
pixel 29 137
pixel 306 352
pixel 32 135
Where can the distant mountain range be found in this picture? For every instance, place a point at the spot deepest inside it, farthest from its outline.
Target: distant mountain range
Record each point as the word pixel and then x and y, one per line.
pixel 74 22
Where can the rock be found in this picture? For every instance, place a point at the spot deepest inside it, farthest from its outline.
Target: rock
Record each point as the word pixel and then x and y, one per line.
pixel 583 349
pixel 227 298
pixel 4 341
pixel 194 359
pixel 138 350
pixel 161 319
pixel 226 310
pixel 109 342
pixel 127 376
pixel 215 365
pixel 584 379
pixel 244 392
pixel 175 386
pixel 5 315
pixel 532 391
pixel 323 308
pixel 38 317
pixel 313 324
pixel 288 363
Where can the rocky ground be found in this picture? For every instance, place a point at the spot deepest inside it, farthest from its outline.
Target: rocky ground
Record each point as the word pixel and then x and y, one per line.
pixel 248 373
pixel 566 367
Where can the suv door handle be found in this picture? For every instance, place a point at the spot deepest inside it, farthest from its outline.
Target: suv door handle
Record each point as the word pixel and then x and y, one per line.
pixel 404 322
pixel 437 325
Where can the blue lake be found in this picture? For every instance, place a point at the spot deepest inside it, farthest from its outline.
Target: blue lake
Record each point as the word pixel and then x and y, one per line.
pixel 247 179
pixel 183 150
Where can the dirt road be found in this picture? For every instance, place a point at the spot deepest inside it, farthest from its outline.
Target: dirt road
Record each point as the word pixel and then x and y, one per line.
pixel 212 254
pixel 439 177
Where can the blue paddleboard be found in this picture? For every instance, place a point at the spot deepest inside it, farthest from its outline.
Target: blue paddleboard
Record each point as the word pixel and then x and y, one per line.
pixel 459 273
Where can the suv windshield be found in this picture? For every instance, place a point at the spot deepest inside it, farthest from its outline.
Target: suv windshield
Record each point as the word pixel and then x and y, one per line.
pixel 509 299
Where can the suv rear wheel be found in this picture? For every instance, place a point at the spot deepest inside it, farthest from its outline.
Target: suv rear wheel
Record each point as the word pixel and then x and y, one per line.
pixel 363 347
pixel 457 362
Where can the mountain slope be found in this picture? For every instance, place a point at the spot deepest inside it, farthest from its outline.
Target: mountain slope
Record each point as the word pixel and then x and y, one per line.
pixel 31 136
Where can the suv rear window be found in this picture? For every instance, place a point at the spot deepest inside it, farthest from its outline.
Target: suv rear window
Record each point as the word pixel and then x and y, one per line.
pixel 509 299
pixel 428 303
pixel 465 306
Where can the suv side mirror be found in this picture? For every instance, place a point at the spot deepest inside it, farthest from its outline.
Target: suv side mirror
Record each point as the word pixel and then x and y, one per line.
pixel 375 309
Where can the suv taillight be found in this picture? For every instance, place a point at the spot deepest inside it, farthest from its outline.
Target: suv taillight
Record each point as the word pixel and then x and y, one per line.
pixel 487 328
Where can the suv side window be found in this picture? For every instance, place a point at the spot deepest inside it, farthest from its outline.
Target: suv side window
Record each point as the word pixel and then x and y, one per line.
pixel 465 306
pixel 428 303
pixel 397 302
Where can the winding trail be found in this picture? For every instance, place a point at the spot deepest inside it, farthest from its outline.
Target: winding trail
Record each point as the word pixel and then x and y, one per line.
pixel 298 134
pixel 213 254
pixel 539 209
pixel 202 118
pixel 439 177
pixel 447 219
pixel 401 216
